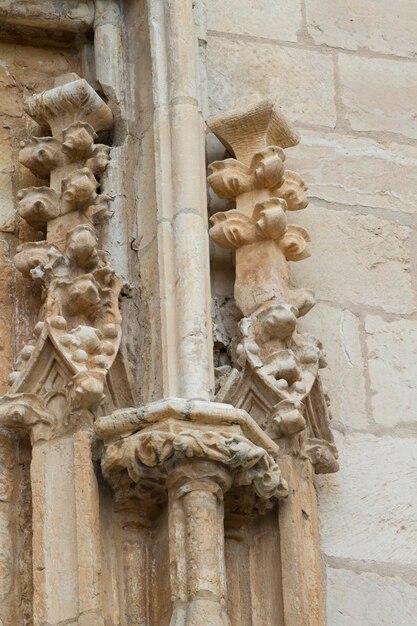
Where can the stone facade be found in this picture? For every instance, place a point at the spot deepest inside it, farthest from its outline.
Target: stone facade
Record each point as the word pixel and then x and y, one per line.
pixel 166 455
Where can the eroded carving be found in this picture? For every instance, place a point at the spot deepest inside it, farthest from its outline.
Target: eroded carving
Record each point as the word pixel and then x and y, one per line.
pixel 189 455
pixel 79 329
pixel 249 464
pixel 148 443
pixel 275 366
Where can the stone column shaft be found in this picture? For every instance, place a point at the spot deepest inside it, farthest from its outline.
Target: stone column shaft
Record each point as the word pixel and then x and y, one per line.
pixel 261 274
pixel 181 192
pixel 197 545
pixel 135 573
pixel 66 552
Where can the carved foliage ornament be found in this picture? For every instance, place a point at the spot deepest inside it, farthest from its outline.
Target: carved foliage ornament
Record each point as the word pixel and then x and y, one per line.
pixel 248 463
pixel 275 366
pixel 79 330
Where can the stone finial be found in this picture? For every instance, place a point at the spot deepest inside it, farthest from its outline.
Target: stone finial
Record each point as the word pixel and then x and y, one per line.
pixel 80 322
pixel 276 367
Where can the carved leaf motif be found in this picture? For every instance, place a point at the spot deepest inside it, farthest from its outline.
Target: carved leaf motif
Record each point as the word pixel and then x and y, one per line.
pixel 229 178
pixel 78 141
pixel 288 417
pixel 38 205
pixel 267 168
pixel 251 464
pixel 294 243
pixel 35 255
pixel 41 155
pixel 99 159
pixel 232 229
pixel 78 190
pixel 293 191
pixel 270 218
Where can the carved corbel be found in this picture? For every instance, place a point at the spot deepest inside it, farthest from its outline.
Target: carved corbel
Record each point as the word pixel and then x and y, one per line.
pixel 78 334
pixel 275 373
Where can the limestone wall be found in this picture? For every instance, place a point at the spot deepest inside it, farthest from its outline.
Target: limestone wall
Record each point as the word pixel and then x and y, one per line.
pixel 345 73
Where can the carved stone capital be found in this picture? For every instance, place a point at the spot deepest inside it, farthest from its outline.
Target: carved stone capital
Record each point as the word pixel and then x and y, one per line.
pixel 26 412
pixel 247 131
pixel 154 441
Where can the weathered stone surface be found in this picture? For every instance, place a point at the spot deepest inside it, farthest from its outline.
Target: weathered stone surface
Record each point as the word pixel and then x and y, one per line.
pixel 6 154
pixel 7 573
pixel 382 26
pixel 6 466
pixel 354 171
pixel 7 205
pixel 10 99
pixel 368 513
pixel 6 554
pixel 379 94
pixel 301 82
pixel 368 510
pixel 5 323
pixel 262 18
pixel 72 16
pixel 363 249
pixel 367 599
pixel 28 69
pixel 392 362
pixel 338 329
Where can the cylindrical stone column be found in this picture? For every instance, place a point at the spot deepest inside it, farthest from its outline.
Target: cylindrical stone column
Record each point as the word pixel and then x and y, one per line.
pixel 196 536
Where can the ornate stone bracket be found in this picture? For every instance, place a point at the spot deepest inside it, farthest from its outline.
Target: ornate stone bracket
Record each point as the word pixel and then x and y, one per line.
pixel 275 375
pixel 60 373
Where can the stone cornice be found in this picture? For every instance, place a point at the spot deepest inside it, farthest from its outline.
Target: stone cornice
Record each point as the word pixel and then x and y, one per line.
pixel 125 422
